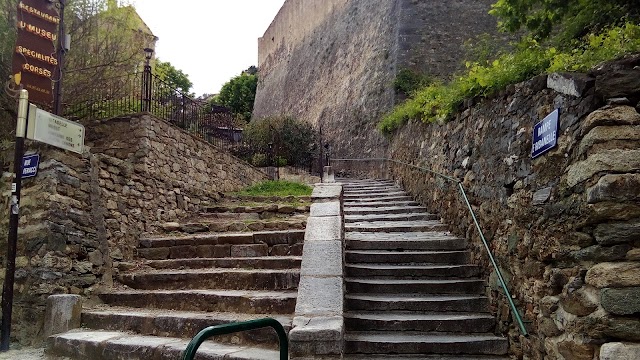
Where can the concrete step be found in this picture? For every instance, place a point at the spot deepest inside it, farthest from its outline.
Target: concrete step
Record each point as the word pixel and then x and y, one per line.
pixel 416 302
pixel 422 286
pixel 364 210
pixel 268 262
pixel 404 241
pixel 422 357
pixel 359 200
pixel 414 321
pixel 243 301
pixel 235 279
pixel 390 217
pixel 116 345
pixel 371 190
pixel 396 226
pixel 377 204
pixel 424 343
pixel 182 324
pixel 352 195
pixel 410 270
pixel 407 257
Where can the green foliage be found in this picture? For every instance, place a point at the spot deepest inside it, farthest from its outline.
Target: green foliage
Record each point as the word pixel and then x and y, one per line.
pixel 278 188
pixel 439 101
pixel 407 81
pixel 238 94
pixel 567 20
pixel 291 140
pixel 173 77
pixel 260 160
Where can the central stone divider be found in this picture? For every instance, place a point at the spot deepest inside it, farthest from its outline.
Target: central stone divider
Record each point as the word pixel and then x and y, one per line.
pixel 318 325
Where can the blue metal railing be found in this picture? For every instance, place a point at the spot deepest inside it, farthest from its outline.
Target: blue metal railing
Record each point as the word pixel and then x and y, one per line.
pixel 503 284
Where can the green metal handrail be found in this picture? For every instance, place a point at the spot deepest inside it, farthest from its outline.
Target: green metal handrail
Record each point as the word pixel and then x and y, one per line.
pixel 503 284
pixel 208 332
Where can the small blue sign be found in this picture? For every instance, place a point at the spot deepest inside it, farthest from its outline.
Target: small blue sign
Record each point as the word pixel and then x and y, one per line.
pixel 545 134
pixel 30 165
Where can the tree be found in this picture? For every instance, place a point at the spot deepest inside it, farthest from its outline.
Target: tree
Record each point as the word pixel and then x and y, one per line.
pixel 173 77
pixel 238 94
pixel 567 20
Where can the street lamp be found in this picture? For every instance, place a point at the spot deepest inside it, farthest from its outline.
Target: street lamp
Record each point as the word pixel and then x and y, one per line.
pixel 327 152
pixel 146 80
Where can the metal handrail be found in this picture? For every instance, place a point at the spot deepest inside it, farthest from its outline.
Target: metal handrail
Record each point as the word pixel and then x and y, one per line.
pixel 208 332
pixel 503 284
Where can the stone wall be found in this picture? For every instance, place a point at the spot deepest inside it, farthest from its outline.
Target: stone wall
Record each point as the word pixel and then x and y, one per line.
pixel 83 215
pixel 333 63
pixel 564 227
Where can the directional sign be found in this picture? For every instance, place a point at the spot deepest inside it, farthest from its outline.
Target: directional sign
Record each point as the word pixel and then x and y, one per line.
pixel 55 130
pixel 545 134
pixel 30 165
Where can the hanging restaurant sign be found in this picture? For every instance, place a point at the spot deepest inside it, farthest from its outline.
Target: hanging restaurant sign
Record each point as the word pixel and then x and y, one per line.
pixel 34 59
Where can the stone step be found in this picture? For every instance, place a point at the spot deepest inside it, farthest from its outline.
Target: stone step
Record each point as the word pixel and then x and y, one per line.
pixel 243 301
pixel 182 324
pixel 396 226
pixel 378 204
pixel 413 321
pixel 349 195
pixel 360 200
pixel 268 262
pixel 390 217
pixel 115 345
pixel 416 302
pixel 234 279
pixel 275 243
pixel 424 343
pixel 411 270
pixel 422 286
pixel 404 241
pixel 406 257
pixel 267 237
pixel 205 224
pixel 364 210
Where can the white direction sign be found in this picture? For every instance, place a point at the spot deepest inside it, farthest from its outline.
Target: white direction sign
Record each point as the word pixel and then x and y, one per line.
pixel 55 130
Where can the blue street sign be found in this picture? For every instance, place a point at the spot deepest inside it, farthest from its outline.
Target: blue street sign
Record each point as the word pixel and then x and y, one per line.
pixel 30 165
pixel 545 134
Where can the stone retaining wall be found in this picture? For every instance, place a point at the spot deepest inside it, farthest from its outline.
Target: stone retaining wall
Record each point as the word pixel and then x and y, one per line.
pixel 564 227
pixel 83 214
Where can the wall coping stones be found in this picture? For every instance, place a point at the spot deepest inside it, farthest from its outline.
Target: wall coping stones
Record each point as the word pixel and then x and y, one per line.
pixel 318 325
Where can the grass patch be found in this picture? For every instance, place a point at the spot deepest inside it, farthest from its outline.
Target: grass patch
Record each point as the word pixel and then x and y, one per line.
pixel 277 188
pixel 438 102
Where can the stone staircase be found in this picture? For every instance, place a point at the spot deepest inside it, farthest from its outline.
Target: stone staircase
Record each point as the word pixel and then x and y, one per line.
pixel 410 290
pixel 237 261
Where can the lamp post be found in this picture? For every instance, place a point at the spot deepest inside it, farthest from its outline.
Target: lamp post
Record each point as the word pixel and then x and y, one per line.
pixel 146 80
pixel 327 153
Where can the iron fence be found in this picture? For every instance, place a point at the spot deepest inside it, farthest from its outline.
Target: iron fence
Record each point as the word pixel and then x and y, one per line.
pixel 146 92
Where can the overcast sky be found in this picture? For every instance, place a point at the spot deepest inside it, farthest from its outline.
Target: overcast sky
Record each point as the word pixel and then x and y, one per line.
pixel 209 40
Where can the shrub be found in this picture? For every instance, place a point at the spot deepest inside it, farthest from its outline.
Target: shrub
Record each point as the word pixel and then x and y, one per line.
pixel 293 142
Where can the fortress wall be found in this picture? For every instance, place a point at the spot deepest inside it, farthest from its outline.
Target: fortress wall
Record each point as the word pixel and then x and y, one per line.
pixel 334 65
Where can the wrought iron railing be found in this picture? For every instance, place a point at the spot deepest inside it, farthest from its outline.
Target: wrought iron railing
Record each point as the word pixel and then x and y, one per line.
pixel 146 92
pixel 204 334
pixel 465 200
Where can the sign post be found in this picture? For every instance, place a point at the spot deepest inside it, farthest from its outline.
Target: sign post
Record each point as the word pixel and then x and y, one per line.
pixel 14 213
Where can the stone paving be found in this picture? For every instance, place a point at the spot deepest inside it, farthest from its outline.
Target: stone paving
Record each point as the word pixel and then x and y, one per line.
pixel 410 290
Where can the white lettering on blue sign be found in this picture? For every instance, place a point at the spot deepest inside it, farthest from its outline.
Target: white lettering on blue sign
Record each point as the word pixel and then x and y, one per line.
pixel 545 134
pixel 30 165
